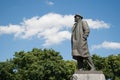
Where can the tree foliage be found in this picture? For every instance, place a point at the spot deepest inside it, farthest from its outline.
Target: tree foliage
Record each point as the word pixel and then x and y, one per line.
pixel 47 64
pixel 109 65
pixel 37 64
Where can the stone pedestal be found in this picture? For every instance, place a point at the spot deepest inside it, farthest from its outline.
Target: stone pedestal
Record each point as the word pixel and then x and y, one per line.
pixel 88 75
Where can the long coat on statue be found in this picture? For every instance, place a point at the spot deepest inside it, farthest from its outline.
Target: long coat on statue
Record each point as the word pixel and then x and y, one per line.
pixel 80 32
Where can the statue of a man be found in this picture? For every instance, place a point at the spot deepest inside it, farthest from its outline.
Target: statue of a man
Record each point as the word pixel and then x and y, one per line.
pixel 80 32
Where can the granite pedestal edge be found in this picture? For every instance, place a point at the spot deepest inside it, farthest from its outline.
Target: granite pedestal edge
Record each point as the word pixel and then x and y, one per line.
pixel 88 75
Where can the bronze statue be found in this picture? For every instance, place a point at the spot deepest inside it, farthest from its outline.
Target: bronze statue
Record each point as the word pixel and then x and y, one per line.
pixel 80 32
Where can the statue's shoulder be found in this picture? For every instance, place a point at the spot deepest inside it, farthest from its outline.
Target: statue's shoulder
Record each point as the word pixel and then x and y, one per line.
pixel 74 24
pixel 84 22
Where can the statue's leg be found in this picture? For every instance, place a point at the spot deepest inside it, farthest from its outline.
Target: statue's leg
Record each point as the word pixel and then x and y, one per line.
pixel 80 63
pixel 90 63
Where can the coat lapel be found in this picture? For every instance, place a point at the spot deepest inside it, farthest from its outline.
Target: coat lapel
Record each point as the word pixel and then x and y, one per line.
pixel 74 26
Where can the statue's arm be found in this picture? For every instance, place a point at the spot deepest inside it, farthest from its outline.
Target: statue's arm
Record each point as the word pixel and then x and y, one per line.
pixel 85 29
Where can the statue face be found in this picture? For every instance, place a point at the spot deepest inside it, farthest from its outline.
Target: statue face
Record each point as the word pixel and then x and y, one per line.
pixel 77 19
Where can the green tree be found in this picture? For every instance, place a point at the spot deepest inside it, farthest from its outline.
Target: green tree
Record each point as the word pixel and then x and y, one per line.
pixel 38 64
pixel 114 66
pixel 101 64
pixel 6 71
pixel 109 65
pixel 47 64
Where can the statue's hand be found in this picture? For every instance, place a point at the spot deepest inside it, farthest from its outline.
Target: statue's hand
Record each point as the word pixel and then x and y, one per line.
pixel 85 37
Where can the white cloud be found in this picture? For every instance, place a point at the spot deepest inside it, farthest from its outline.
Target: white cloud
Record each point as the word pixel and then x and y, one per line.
pixel 50 3
pixel 107 45
pixel 97 24
pixel 51 27
pixel 11 29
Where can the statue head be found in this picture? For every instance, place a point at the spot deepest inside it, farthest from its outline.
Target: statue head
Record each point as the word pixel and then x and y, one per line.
pixel 77 17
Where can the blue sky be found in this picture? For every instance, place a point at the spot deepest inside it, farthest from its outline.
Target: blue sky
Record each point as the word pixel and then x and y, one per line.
pixel 28 24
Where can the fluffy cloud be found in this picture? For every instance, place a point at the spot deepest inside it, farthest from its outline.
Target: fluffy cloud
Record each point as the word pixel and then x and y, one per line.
pixel 97 24
pixel 107 45
pixel 52 27
pixel 50 3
